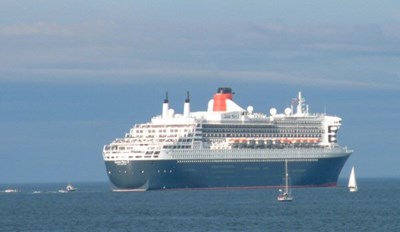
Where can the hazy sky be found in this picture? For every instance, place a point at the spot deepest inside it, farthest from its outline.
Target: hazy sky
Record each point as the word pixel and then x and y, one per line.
pixel 74 75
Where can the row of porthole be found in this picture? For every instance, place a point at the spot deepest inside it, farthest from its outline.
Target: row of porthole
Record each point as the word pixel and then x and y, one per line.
pixel 165 171
pixel 245 161
pixel 159 171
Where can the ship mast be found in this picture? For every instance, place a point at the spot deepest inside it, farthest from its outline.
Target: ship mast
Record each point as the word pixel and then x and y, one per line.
pixel 286 178
pixel 301 108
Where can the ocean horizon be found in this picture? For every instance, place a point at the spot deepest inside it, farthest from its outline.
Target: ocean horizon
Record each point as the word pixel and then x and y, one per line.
pixel 105 184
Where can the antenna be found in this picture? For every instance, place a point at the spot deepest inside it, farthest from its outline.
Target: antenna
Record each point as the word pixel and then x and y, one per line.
pixel 187 97
pixel 166 97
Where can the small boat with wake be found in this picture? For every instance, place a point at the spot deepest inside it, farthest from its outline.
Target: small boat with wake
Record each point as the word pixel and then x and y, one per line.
pixel 69 188
pixel 10 190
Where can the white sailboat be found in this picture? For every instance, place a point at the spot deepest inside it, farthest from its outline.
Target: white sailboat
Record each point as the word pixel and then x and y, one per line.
pixel 352 181
pixel 285 196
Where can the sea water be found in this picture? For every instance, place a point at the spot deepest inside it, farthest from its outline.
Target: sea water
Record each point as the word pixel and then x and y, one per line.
pixel 94 207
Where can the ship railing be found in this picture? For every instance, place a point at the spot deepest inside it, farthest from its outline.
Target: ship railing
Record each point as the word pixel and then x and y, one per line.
pixel 262 151
pixel 348 150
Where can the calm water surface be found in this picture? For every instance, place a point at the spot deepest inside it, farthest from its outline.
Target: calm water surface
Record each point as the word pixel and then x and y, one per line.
pixel 94 207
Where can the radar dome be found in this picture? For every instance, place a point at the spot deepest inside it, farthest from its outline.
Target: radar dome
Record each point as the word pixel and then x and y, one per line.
pixel 288 111
pixel 272 111
pixel 171 113
pixel 250 109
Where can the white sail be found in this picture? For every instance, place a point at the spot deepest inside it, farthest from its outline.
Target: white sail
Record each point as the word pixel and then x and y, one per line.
pixel 352 181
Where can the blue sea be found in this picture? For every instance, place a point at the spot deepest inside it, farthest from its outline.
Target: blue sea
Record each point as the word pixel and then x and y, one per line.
pixel 94 207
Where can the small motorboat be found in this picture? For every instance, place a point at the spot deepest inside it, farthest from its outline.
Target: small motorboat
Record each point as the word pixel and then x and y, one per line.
pixel 10 191
pixel 70 188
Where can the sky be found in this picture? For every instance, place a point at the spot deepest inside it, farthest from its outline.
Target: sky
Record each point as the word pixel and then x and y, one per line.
pixel 75 75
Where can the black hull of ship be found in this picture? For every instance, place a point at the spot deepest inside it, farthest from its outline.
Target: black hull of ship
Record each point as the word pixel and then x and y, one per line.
pixel 192 174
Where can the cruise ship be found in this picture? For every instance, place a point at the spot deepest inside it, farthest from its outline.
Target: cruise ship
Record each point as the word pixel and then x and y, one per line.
pixel 227 146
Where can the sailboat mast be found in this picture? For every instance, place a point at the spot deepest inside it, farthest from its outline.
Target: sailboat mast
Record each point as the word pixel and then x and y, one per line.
pixel 285 196
pixel 286 178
